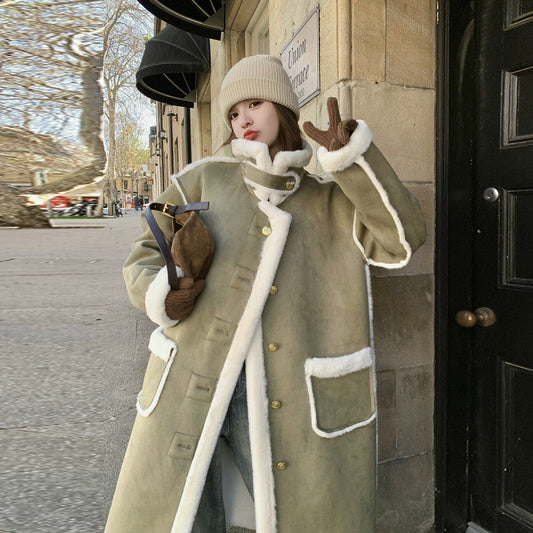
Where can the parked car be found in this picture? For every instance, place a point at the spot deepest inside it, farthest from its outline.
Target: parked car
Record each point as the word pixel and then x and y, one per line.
pixel 59 203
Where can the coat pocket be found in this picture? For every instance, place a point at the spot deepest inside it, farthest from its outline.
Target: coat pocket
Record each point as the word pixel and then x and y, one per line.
pixel 341 392
pixel 163 350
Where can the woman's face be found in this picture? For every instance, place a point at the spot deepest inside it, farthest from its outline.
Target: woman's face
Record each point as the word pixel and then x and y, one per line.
pixel 255 120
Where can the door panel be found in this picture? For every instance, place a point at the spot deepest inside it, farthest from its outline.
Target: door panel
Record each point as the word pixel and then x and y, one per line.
pixel 518 442
pixel 517 232
pixel 500 462
pixel 518 115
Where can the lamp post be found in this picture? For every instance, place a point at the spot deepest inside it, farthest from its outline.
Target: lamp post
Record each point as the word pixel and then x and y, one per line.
pixel 170 116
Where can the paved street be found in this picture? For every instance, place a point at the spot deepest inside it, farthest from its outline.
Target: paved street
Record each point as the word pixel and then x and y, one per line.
pixel 73 354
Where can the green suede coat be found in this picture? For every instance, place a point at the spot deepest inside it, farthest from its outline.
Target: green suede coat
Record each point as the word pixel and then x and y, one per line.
pixel 288 290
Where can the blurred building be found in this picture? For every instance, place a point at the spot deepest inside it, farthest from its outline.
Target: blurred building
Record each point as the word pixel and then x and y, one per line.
pixel 30 158
pixel 137 184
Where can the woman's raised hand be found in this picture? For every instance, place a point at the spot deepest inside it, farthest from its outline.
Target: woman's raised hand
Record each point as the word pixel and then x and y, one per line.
pixel 339 131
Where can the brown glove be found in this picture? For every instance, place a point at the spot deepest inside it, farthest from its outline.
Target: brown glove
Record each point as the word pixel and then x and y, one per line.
pixel 192 250
pixel 339 131
pixel 180 303
pixel 192 247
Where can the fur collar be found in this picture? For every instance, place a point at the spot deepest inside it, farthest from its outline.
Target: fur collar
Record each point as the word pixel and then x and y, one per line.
pixel 259 154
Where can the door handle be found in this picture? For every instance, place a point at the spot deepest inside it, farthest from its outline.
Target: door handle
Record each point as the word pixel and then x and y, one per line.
pixel 482 316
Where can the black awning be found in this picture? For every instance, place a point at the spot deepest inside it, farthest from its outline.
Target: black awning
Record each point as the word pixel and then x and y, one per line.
pixel 170 66
pixel 201 17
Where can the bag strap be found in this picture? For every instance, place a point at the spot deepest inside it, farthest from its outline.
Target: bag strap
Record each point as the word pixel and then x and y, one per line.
pixel 170 211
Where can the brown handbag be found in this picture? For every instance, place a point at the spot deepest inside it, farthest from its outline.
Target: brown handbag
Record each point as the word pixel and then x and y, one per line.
pixel 192 245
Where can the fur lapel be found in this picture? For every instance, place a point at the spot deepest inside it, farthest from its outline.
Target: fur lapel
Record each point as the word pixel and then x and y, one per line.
pixel 246 330
pixel 273 196
pixel 259 153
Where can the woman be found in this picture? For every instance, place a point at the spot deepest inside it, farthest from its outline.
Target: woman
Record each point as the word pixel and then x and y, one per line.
pixel 285 316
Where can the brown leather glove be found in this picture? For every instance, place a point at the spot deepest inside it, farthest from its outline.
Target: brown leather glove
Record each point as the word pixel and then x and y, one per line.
pixel 339 131
pixel 180 303
pixel 192 247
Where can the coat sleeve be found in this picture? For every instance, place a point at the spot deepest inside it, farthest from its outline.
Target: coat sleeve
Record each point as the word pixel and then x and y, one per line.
pixel 145 271
pixel 388 224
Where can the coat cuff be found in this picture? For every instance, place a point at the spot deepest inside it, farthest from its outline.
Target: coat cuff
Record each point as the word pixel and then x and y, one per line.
pixel 155 298
pixel 347 155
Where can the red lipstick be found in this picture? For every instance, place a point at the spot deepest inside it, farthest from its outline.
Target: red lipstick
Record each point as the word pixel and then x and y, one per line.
pixel 250 135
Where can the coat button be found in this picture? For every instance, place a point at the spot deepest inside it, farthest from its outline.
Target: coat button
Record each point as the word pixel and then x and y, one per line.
pixel 273 347
pixel 282 465
pixel 275 404
pixel 267 230
pixel 273 290
pixel 289 185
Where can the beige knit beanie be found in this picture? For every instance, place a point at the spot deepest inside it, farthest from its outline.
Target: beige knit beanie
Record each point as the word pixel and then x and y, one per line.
pixel 261 77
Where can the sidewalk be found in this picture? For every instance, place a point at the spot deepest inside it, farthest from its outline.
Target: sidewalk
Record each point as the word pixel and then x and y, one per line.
pixel 73 356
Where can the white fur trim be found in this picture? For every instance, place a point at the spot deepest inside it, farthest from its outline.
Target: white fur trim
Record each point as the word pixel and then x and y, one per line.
pixel 253 150
pixel 370 305
pixel 344 157
pixel 154 299
pixel 161 345
pixel 297 159
pixel 270 256
pixel 361 161
pixel 261 451
pixel 177 184
pixel 274 196
pixel 199 163
pixel 166 349
pixel 259 152
pixel 334 367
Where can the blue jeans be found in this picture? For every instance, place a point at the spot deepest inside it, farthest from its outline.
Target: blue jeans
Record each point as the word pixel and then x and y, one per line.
pixel 211 517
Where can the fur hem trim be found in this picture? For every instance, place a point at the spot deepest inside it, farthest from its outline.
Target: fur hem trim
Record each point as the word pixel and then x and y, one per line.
pixel 163 347
pixel 345 157
pixel 259 152
pixel 270 256
pixel 261 450
pixel 334 367
pixel 394 214
pixel 154 299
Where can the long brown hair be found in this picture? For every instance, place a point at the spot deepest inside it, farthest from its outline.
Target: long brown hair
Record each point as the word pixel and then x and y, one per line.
pixel 290 136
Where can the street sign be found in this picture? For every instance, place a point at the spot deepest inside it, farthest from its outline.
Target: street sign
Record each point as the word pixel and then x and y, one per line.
pixel 301 59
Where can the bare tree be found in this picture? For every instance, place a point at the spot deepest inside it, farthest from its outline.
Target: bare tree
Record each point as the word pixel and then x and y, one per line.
pixel 52 60
pixel 127 26
pixel 57 56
